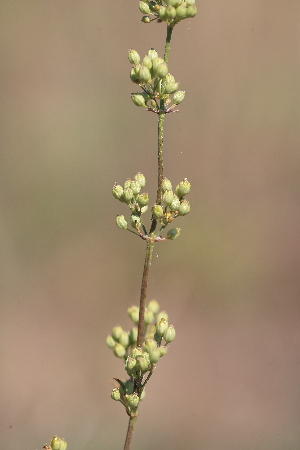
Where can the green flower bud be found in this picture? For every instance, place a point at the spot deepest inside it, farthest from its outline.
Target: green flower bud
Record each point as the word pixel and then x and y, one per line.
pixel 173 233
pixel 147 62
pixel 163 350
pixel 143 362
pixel 181 11
pixel 144 74
pixel 138 100
pixel 153 305
pixel 133 76
pixel 162 70
pixel 162 13
pixel 155 63
pixel 115 394
pixel 161 327
pixel 152 54
pixel 175 203
pixel 190 3
pixel 184 208
pixel 133 313
pixel 119 350
pixel 142 199
pixel 132 400
pixel 131 365
pixel 148 345
pixel 116 332
pixel 133 335
pixel 140 179
pixel 133 56
pixel 162 315
pixel 166 184
pixel 169 334
pixel 171 87
pixel 178 97
pixel 144 209
pixel 154 355
pixel 128 195
pixel 127 183
pixel 144 8
pixel 146 19
pixel 170 12
pixel 137 351
pixel 135 221
pixel 148 317
pixel 58 444
pixel 124 339
pixel 110 341
pixel 168 197
pixel 170 78
pixel 191 11
pixel 183 188
pixel 135 187
pixel 121 222
pixel 117 191
pixel 157 211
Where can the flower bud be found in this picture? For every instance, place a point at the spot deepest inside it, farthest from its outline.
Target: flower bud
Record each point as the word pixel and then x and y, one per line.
pixel 133 335
pixel 135 187
pixel 117 191
pixel 163 350
pixel 140 179
pixel 171 87
pixel 148 316
pixel 162 13
pixel 119 350
pixel 175 203
pixel 147 62
pixel 152 54
pixel 191 11
pixel 128 195
pixel 142 199
pixel 148 345
pixel 153 305
pixel 135 221
pixel 124 339
pixel 162 315
pixel 133 313
pixel 166 184
pixel 155 63
pixel 184 208
pixel 131 365
pixel 162 70
pixel 110 341
pixel 133 56
pixel 144 209
pixel 170 12
pixel 169 334
pixel 146 19
pixel 183 188
pixel 115 394
pixel 144 74
pixel 154 355
pixel 178 97
pixel 181 11
pixel 168 197
pixel 137 351
pixel 170 78
pixel 132 400
pixel 144 8
pixel 133 76
pixel 157 211
pixel 127 183
pixel 138 100
pixel 121 222
pixel 161 327
pixel 143 362
pixel 173 233
pixel 190 3
pixel 116 332
pixel 57 443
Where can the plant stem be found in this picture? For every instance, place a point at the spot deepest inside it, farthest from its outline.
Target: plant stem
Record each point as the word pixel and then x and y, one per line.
pixel 141 324
pixel 168 44
pixel 129 433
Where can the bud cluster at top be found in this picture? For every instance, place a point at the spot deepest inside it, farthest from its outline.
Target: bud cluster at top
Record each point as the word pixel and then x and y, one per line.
pixel 153 76
pixel 169 11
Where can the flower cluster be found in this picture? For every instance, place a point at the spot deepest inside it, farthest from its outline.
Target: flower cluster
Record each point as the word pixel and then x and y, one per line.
pixel 171 12
pixel 140 360
pixel 174 204
pixel 153 76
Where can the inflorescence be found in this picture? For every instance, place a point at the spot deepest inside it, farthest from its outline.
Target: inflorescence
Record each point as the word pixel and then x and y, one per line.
pixel 172 12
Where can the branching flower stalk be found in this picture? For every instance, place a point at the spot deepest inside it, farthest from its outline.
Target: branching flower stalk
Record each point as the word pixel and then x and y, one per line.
pixel 149 338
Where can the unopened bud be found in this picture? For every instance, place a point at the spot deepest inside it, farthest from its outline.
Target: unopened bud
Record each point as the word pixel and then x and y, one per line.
pixel 183 188
pixel 184 208
pixel 115 394
pixel 110 341
pixel 119 350
pixel 191 11
pixel 181 11
pixel 157 211
pixel 138 100
pixel 173 233
pixel 146 19
pixel 140 179
pixel 166 184
pixel 162 70
pixel 153 305
pixel 178 97
pixel 168 197
pixel 169 334
pixel 152 54
pixel 161 327
pixel 117 191
pixel 133 313
pixel 121 222
pixel 144 8
pixel 133 56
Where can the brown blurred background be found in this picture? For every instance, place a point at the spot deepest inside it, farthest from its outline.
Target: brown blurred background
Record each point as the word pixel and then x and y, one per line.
pixel 230 282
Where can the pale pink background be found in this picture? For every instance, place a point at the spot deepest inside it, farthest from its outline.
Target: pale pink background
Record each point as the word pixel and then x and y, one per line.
pixel 69 130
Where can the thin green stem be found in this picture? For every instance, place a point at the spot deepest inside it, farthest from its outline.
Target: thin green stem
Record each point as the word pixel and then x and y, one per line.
pixel 129 434
pixel 168 44
pixel 141 324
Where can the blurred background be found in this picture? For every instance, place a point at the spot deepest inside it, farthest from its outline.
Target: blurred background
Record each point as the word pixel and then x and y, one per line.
pixel 230 282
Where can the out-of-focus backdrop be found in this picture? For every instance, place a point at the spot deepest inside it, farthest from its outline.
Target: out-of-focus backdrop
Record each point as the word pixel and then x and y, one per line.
pixel 230 282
